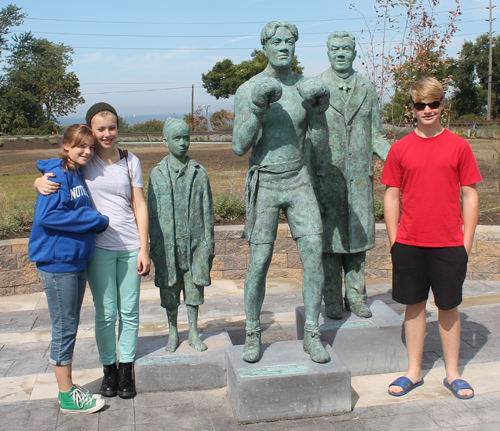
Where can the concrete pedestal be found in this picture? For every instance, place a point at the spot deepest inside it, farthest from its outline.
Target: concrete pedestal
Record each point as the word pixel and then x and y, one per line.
pixel 185 369
pixel 367 346
pixel 286 384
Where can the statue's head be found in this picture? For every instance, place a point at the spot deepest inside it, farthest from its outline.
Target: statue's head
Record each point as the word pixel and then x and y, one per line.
pixel 278 42
pixel 176 135
pixel 341 51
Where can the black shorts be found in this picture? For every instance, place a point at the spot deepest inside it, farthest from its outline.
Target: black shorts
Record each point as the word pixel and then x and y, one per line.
pixel 416 269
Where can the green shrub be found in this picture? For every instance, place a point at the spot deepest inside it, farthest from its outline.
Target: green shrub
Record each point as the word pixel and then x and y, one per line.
pixel 228 206
pixel 378 208
pixel 490 131
pixel 28 139
pixel 47 128
pixel 53 141
pixel 471 117
pixel 15 215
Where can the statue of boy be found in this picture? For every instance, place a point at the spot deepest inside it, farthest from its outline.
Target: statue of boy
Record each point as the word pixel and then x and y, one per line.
pixel 273 112
pixel 181 230
pixel 345 183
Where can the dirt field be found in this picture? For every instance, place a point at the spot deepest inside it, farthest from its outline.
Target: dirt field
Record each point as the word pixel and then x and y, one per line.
pixel 227 171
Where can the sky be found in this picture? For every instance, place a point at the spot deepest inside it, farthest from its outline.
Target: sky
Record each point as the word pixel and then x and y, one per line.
pixel 143 56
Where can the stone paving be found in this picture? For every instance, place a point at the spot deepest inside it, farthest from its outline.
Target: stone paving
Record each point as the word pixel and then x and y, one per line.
pixel 28 390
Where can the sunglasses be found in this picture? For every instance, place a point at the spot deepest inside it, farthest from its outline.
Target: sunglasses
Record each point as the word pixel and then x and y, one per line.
pixel 420 106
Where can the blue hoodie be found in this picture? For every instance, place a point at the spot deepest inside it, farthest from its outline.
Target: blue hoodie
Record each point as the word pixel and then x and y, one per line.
pixel 65 224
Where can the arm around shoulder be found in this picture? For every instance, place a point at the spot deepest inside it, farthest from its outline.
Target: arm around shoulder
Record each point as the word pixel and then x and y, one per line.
pixel 44 186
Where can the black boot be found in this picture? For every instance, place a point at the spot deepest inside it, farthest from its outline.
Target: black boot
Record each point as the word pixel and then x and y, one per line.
pixel 126 383
pixel 109 387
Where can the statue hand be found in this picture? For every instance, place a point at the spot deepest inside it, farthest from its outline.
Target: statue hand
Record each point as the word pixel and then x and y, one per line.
pixel 316 93
pixel 264 92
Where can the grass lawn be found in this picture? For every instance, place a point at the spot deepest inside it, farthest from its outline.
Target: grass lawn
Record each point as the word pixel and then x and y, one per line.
pixel 226 172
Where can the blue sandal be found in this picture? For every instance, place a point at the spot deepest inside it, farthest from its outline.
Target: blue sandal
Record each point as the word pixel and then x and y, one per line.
pixel 459 385
pixel 404 383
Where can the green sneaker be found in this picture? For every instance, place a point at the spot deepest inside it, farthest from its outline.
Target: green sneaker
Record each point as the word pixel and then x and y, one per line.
pixel 78 400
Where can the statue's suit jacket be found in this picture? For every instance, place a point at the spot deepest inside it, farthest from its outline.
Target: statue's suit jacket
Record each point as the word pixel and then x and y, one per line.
pixel 345 177
pixel 162 224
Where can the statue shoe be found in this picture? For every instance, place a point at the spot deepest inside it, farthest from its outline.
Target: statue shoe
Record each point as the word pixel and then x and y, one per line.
pixel 314 347
pixel 334 311
pixel 360 309
pixel 251 350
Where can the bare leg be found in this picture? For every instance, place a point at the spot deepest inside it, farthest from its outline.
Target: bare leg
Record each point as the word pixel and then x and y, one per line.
pixel 415 328
pixel 173 336
pixel 255 288
pixel 310 251
pixel 194 339
pixel 63 377
pixel 449 329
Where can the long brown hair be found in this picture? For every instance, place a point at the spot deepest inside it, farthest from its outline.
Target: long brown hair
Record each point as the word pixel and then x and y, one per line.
pixel 74 136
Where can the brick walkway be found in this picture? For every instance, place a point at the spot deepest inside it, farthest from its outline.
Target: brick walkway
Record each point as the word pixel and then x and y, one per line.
pixel 28 390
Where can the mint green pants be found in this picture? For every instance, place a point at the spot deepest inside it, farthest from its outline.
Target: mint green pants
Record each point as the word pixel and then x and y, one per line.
pixel 115 287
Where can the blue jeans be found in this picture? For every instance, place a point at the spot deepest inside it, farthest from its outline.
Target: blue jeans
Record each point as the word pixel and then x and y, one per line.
pixel 115 287
pixel 64 293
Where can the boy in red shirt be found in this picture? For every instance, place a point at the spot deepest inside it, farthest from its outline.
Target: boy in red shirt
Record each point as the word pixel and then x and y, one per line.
pixel 429 167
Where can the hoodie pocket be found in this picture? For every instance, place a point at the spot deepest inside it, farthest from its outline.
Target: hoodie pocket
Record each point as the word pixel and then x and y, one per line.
pixel 71 249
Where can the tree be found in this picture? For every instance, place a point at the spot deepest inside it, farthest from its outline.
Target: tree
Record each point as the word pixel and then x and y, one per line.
pixel 200 123
pixel 222 120
pixel 36 85
pixel 395 108
pixel 123 125
pixel 470 77
pixel 10 16
pixel 150 126
pixel 420 49
pixel 225 77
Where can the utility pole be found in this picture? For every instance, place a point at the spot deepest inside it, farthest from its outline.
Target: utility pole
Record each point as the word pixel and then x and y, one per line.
pixel 490 67
pixel 192 108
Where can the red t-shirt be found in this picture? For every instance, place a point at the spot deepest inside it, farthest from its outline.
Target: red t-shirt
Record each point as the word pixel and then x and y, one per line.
pixel 430 172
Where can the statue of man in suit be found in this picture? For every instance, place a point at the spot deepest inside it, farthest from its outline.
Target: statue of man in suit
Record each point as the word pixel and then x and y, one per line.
pixel 345 179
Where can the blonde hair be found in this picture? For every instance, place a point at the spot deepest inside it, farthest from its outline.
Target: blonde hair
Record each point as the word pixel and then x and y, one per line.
pixel 75 135
pixel 426 88
pixel 105 113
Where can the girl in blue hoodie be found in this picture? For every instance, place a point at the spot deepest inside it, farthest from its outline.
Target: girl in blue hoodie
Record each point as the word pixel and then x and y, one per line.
pixel 61 243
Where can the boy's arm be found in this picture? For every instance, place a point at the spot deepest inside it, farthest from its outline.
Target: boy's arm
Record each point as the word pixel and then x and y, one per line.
pixel 391 212
pixel 470 200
